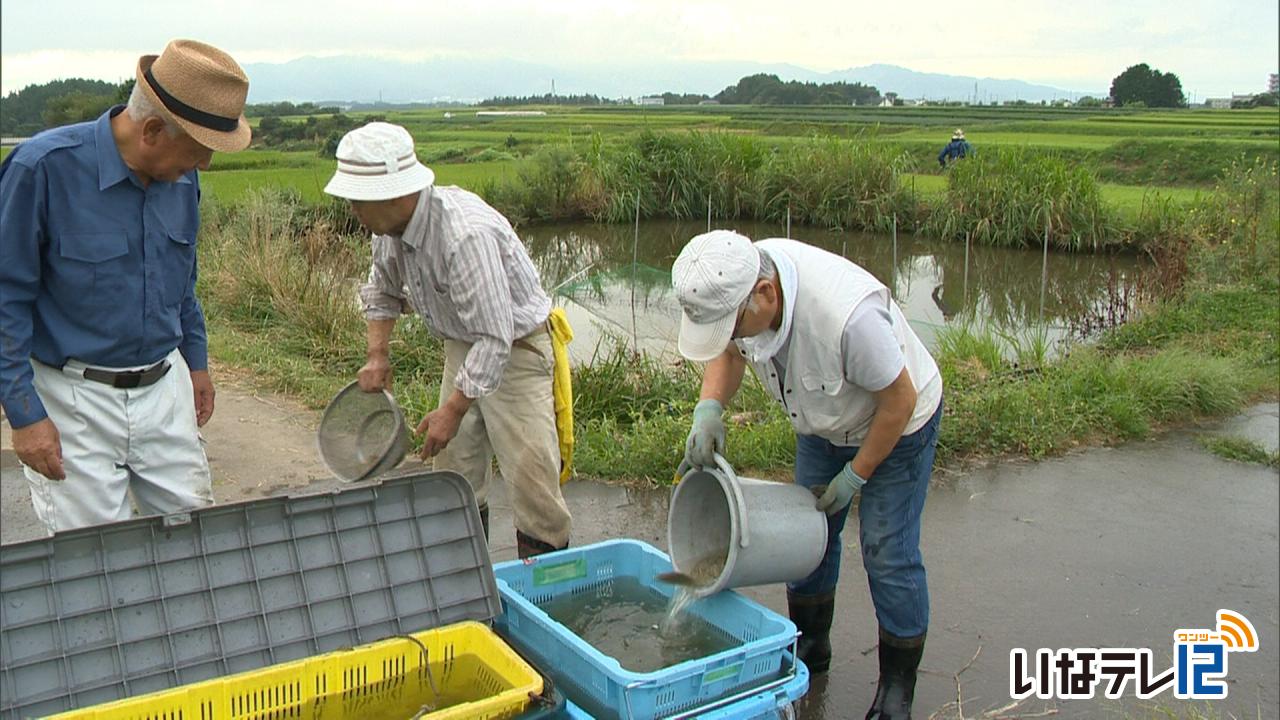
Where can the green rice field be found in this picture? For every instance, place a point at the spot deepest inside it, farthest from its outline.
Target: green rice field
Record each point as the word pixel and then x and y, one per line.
pixel 1133 153
pixel 1173 152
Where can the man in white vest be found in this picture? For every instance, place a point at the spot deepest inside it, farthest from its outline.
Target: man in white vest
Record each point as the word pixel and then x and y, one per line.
pixel 865 398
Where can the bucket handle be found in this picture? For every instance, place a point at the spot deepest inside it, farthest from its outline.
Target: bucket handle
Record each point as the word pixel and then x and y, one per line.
pixel 738 500
pixel 727 470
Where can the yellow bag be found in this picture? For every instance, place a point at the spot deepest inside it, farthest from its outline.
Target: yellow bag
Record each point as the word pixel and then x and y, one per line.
pixel 562 388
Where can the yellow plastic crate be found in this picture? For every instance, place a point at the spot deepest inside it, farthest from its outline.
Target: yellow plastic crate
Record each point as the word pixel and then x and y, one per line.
pixel 475 674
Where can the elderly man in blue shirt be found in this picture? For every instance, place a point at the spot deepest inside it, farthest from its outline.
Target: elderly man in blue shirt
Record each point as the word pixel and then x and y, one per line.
pixel 103 354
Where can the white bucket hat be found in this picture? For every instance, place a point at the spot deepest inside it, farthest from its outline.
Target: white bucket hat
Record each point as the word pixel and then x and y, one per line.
pixel 712 276
pixel 378 162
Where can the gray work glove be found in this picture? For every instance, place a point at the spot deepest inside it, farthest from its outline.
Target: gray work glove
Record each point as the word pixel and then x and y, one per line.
pixel 840 490
pixel 706 437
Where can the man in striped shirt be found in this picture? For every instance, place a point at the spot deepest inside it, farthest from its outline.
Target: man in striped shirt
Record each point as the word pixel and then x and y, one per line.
pixel 445 254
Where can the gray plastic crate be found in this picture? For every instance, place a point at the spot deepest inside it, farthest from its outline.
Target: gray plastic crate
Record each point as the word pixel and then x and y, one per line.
pixel 111 611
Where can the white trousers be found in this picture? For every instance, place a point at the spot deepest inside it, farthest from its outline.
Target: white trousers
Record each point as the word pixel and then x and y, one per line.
pixel 115 440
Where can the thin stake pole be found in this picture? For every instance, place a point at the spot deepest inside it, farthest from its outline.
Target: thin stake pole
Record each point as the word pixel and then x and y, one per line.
pixel 788 222
pixel 965 300
pixel 1044 266
pixel 708 213
pixel 893 270
pixel 635 259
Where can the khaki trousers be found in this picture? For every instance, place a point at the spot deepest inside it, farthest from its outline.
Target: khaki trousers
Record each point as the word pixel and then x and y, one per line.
pixel 517 424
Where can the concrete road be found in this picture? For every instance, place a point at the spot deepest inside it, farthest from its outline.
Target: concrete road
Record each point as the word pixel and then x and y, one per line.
pixel 1113 547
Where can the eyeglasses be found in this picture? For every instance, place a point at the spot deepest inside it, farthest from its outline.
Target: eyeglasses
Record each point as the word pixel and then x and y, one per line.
pixel 742 313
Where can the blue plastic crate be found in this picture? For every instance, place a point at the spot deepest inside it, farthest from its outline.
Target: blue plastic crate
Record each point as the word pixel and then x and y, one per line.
pixel 772 704
pixel 599 683
pixel 769 705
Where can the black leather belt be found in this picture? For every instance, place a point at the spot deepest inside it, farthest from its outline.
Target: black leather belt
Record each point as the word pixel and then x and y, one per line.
pixel 130 378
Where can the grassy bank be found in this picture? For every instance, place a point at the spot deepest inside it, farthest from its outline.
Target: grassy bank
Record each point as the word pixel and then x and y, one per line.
pixel 276 283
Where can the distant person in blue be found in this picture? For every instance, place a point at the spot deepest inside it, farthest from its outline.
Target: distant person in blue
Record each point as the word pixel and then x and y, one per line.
pixel 103 353
pixel 956 149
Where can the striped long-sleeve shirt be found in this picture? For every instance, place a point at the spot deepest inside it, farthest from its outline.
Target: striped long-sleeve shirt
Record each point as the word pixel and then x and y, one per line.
pixel 461 267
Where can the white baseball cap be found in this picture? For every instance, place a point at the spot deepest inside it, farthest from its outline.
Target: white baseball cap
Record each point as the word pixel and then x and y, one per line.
pixel 378 162
pixel 713 277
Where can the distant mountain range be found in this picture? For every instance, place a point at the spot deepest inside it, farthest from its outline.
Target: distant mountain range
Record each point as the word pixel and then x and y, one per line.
pixel 368 79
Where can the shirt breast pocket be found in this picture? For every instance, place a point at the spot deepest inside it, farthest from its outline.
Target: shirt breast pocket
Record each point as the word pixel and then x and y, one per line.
pixel 179 259
pixel 822 408
pixel 90 275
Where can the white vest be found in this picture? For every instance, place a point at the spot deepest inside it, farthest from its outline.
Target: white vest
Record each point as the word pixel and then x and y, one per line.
pixel 817 397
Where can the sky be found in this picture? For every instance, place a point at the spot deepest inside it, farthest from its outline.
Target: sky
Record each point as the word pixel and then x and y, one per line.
pixel 1216 47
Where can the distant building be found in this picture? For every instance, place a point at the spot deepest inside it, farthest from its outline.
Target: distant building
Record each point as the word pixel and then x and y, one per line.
pixel 1218 103
pixel 708 102
pixel 889 99
pixel 651 101
pixel 1273 83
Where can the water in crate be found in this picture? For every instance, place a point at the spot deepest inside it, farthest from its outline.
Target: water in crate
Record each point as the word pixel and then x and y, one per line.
pixel 627 620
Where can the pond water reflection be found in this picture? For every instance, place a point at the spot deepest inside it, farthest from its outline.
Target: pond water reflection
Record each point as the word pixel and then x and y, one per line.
pixel 614 287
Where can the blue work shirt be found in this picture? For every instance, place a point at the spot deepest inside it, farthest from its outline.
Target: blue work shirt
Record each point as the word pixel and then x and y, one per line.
pixel 93 265
pixel 954 150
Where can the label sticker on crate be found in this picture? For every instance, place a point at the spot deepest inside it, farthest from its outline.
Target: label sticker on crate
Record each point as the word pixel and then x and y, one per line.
pixel 724 673
pixel 560 572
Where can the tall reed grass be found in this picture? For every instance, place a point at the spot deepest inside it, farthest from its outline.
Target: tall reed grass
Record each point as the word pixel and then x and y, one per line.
pixel 1010 197
pixel 832 183
pixel 275 270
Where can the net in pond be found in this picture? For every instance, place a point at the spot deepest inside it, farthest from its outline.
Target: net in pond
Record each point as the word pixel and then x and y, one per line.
pixel 632 306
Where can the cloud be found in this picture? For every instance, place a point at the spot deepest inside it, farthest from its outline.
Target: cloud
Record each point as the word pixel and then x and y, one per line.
pixel 1217 45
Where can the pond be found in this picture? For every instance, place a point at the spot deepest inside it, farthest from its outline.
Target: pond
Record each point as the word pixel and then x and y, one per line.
pixel 618 290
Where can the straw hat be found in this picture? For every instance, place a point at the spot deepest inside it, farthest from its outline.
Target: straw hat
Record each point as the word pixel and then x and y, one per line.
pixel 378 162
pixel 200 89
pixel 958 134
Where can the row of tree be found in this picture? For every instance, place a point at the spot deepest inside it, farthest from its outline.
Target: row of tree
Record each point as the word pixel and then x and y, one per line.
pixel 62 102
pixel 279 109
pixel 1142 84
pixel 762 89
pixel 320 132
pixel 547 99
pixel 36 107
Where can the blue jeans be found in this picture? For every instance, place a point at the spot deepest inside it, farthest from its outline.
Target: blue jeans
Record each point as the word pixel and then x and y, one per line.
pixel 888 525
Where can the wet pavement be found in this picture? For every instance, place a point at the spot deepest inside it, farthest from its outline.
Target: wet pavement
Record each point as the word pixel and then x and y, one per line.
pixel 1110 547
pixel 1105 548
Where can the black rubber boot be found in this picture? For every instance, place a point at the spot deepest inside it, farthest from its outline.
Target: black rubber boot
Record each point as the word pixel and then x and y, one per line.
pixel 812 616
pixel 899 658
pixel 484 521
pixel 527 546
